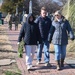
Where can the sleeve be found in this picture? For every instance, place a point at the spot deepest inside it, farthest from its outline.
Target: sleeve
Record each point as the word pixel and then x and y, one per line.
pixel 21 34
pixel 39 39
pixel 37 20
pixel 70 32
pixel 50 23
pixel 51 32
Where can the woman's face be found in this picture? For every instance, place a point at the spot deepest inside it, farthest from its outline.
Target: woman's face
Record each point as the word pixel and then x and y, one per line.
pixel 31 19
pixel 58 16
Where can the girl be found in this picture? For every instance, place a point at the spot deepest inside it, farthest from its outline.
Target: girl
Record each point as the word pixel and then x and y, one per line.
pixel 31 35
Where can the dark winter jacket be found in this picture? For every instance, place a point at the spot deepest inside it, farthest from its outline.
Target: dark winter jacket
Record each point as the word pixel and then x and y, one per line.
pixel 30 32
pixel 44 26
pixel 59 32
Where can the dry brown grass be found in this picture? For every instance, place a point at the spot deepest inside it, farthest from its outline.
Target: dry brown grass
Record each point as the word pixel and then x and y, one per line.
pixel 3 37
pixel 4 40
pixel 71 49
pixel 71 55
pixel 71 46
pixel 6 47
pixel 5 43
pixel 2 28
pixel 7 55
pixel 6 51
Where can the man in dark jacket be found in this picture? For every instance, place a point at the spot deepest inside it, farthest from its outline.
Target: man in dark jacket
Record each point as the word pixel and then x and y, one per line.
pixel 10 23
pixel 16 21
pixel 31 35
pixel 44 24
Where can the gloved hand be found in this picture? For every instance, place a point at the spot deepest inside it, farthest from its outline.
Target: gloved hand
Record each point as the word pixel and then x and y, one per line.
pixel 18 43
pixel 49 38
pixel 49 41
pixel 72 39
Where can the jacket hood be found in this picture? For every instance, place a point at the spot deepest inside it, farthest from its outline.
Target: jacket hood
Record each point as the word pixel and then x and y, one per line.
pixel 28 18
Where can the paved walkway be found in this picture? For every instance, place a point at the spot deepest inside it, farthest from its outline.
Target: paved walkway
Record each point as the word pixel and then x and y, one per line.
pixel 37 70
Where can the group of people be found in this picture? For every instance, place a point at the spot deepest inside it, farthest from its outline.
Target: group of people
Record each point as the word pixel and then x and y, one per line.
pixel 40 32
pixel 16 21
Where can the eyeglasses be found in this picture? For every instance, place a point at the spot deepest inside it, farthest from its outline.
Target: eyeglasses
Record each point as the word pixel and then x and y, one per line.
pixel 56 15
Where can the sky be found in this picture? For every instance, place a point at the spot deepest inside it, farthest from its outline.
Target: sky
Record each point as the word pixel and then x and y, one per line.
pixel 55 0
pixel 58 1
pixel 1 2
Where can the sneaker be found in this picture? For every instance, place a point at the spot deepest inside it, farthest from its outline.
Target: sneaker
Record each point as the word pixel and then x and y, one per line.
pixel 48 64
pixel 38 63
pixel 29 67
pixel 58 67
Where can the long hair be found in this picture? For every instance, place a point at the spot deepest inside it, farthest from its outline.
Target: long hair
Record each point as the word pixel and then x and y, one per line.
pixel 58 12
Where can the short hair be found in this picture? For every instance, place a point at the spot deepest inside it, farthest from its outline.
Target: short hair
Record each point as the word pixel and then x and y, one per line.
pixel 43 8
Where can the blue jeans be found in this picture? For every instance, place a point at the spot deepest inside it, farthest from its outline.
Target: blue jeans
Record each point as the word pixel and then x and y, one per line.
pixel 43 46
pixel 60 52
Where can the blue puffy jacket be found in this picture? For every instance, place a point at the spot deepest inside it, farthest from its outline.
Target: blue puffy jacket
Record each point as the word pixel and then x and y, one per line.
pixel 44 26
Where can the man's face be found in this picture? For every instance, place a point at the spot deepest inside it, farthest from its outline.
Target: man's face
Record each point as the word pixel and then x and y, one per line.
pixel 43 13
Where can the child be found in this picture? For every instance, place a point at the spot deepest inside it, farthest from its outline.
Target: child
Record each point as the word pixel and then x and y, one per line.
pixel 31 35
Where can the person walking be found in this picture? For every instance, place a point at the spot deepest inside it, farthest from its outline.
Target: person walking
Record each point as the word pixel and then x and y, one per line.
pixel 10 23
pixel 16 21
pixel 44 24
pixel 31 35
pixel 59 35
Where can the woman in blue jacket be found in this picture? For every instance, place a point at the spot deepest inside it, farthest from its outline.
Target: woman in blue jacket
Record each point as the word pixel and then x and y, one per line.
pixel 59 35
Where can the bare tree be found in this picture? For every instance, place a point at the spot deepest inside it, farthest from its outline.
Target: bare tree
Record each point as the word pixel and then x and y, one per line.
pixel 35 6
pixel 50 5
pixel 63 1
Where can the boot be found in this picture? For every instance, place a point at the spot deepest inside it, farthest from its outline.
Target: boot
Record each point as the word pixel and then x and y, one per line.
pixel 58 65
pixel 62 62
